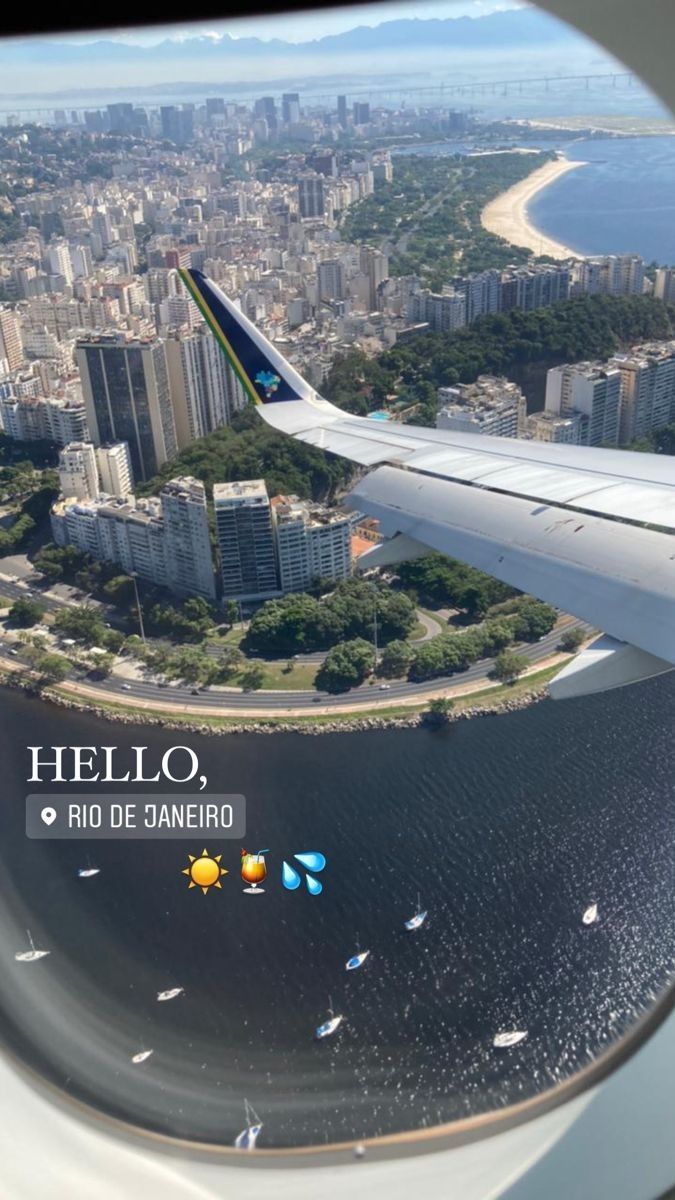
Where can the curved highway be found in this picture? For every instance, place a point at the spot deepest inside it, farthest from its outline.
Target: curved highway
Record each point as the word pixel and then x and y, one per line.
pixel 366 696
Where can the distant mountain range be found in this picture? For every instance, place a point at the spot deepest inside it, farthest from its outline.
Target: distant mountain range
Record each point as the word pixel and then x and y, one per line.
pixel 516 27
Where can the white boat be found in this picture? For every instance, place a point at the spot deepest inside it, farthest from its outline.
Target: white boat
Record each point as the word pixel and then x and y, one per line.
pixel 170 993
pixel 502 1040
pixel 248 1137
pixel 31 955
pixel 141 1056
pixel 590 915
pixel 356 961
pixel 87 872
pixel 419 917
pixel 328 1027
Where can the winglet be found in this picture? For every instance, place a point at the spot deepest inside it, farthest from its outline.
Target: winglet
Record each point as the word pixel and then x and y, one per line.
pixel 263 372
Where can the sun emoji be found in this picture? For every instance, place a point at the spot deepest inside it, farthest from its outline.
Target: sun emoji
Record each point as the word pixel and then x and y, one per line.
pixel 205 871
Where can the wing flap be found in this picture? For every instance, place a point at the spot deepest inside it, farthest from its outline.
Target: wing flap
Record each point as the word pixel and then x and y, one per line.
pixel 617 577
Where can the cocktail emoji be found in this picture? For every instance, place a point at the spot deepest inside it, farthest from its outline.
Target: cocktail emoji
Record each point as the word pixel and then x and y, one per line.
pixel 253 870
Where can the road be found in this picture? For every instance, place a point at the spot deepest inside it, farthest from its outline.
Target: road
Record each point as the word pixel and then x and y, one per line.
pixel 368 695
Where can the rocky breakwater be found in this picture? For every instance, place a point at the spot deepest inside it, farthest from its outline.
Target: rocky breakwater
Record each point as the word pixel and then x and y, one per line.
pixel 311 726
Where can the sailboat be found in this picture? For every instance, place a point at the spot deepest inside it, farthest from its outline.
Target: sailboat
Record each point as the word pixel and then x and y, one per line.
pixel 502 1040
pixel 328 1027
pixel 170 993
pixel 357 960
pixel 141 1056
pixel 88 871
pixel 590 915
pixel 248 1137
pixel 31 955
pixel 419 917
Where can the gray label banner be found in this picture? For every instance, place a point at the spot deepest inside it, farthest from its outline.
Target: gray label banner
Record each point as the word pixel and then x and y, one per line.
pixel 135 815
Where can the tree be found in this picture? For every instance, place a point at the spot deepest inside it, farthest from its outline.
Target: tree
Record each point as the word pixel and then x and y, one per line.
pixel 534 620
pixel 119 590
pixel 509 665
pixel 53 668
pixel 346 666
pixel 83 623
pixel 572 639
pixel 439 711
pixel 396 659
pixel 25 612
pixel 253 677
pixel 102 666
pixel 225 666
pixel 231 613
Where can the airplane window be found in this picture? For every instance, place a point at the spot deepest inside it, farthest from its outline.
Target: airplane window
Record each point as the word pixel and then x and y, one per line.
pixel 337 391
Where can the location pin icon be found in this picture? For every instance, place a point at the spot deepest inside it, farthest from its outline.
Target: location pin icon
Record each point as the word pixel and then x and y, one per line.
pixel 48 815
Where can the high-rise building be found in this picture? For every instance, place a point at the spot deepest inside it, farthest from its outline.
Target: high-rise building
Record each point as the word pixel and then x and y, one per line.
pixel 313 542
pixel 361 112
pixel 664 285
pixel 186 532
pixel 342 111
pixel 533 287
pixel 330 278
pixel 36 418
pixel 114 469
pixel 482 293
pixel 78 474
pixel 491 405
pixel 121 118
pixel 126 393
pixel 311 197
pixel 177 123
pixel 547 427
pixel 204 390
pixel 610 274
pixel 647 389
pixel 11 347
pixel 266 109
pixel 290 108
pixel 164 539
pixel 246 543
pixel 375 265
pixel 442 312
pixel 592 390
pixel 60 261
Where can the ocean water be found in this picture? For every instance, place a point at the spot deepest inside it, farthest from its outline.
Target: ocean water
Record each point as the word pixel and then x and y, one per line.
pixel 622 202
pixel 508 827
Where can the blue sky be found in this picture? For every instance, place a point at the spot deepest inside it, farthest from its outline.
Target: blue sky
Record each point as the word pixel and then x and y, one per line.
pixel 303 26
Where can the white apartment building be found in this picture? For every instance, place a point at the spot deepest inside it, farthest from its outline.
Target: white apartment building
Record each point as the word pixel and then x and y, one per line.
pixel 78 472
pixel 11 346
pixel 547 427
pixel 60 262
pixel 205 393
pixel 442 312
pixel 246 541
pixel 594 391
pixel 664 285
pixel 114 469
pixel 491 405
pixel 312 541
pixel 37 418
pixel 187 539
pixel 647 389
pixel 610 274
pixel 164 539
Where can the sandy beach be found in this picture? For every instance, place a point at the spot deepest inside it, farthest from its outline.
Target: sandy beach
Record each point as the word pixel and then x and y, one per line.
pixel 507 214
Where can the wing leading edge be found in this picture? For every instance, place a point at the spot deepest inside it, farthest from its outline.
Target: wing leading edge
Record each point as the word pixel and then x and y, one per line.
pixel 565 523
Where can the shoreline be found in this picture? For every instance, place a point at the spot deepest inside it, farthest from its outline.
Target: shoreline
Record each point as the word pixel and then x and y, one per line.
pixel 473 702
pixel 506 215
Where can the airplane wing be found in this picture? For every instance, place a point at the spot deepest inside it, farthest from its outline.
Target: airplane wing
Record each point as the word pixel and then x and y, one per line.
pixel 587 530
